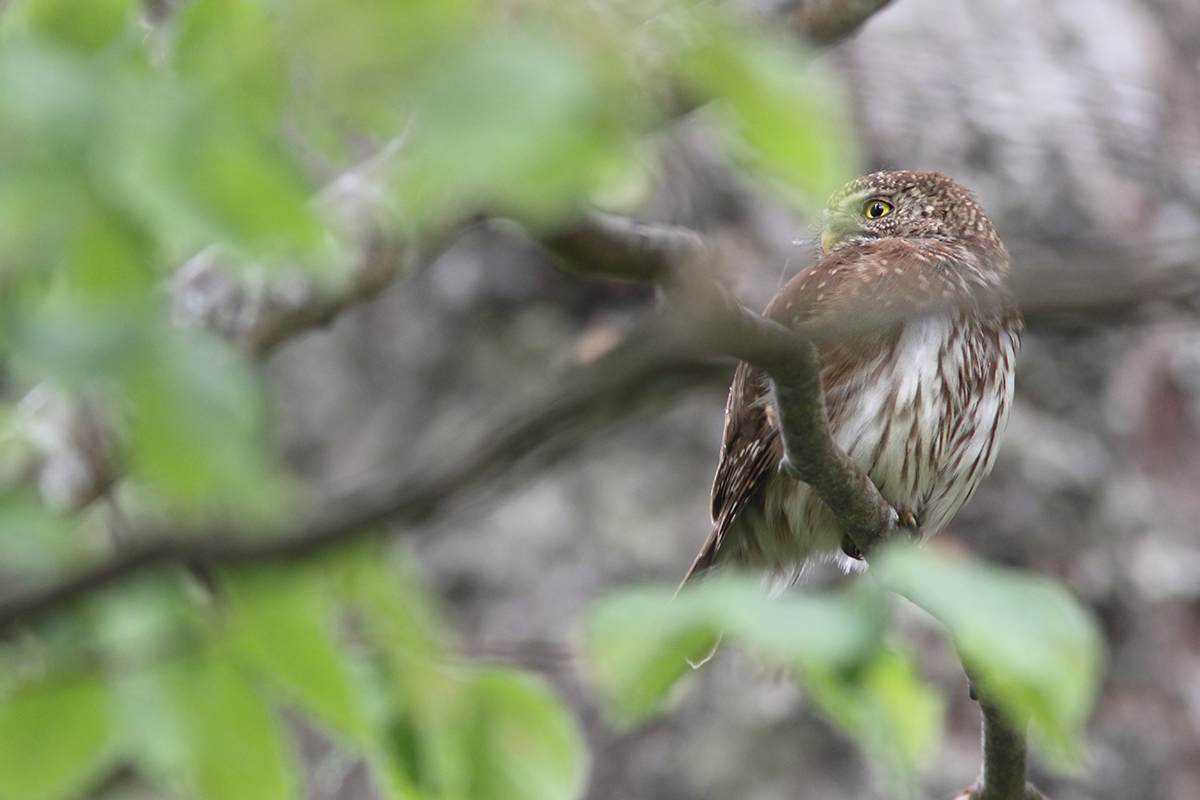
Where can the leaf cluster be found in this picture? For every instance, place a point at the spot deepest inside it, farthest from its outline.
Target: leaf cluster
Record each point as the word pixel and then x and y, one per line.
pixel 129 149
pixel 1028 644
pixel 192 695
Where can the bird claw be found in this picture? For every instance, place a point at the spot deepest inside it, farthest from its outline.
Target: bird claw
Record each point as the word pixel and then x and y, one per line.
pixel 851 549
pixel 906 519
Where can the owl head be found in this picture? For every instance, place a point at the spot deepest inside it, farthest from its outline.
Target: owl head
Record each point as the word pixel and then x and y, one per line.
pixel 904 204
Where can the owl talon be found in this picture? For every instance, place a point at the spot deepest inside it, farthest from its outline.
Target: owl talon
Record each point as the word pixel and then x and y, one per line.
pixel 850 549
pixel 907 523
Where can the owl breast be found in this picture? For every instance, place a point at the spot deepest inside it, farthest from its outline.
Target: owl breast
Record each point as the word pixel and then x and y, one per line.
pixel 921 413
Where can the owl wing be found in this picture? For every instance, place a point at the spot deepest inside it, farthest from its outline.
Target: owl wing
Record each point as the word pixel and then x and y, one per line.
pixel 850 302
pixel 750 454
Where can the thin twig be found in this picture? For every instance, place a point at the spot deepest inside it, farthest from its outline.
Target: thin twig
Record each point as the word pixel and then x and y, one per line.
pixel 616 247
pixel 1004 749
pixel 827 21
pixel 382 261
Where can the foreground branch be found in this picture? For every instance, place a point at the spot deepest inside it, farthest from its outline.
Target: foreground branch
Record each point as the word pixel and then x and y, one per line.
pixel 702 321
pixel 679 260
pixel 657 358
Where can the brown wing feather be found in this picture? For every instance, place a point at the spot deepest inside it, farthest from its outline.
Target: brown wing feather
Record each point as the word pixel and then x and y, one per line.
pixel 750 454
pixel 849 302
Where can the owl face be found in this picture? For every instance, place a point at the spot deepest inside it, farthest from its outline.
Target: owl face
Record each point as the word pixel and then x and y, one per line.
pixel 905 205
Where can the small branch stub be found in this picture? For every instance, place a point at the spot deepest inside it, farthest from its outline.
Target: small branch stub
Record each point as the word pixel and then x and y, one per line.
pixel 826 21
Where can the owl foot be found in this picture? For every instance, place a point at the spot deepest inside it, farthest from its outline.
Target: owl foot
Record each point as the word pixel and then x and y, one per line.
pixel 850 549
pixel 907 520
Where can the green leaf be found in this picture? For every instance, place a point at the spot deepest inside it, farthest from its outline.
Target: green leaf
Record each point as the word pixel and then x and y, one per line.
pixel 89 317
pixel 458 733
pixel 1031 646
pixel 197 430
pixel 139 627
pixel 52 106
pixel 35 543
pixel 774 102
pixel 199 170
pixel 430 708
pixel 284 623
pixel 236 748
pixel 233 49
pixel 153 732
pixel 640 642
pixel 399 615
pixel 526 744
pixel 55 736
pixel 142 619
pixel 250 191
pixel 87 26
pixel 73 343
pixel 354 56
pixel 882 703
pixel 638 652
pixel 522 124
pixel 109 261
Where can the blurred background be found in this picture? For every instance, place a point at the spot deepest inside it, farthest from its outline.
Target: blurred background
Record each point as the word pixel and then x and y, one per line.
pixel 133 135
pixel 1078 127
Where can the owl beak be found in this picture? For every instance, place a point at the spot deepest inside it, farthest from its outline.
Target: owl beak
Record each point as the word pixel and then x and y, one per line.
pixel 827 239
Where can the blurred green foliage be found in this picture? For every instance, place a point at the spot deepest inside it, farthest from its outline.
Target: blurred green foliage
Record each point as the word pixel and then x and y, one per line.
pixel 132 138
pixel 130 146
pixel 1024 639
pixel 1028 643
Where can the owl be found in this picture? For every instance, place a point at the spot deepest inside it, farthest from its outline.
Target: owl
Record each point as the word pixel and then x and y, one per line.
pixel 917 336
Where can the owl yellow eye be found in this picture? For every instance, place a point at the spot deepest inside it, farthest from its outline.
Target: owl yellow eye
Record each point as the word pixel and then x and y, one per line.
pixel 877 208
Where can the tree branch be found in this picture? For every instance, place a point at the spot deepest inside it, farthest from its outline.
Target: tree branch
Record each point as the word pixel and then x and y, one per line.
pixel 678 260
pixel 618 247
pixel 658 357
pixel 382 262
pixel 826 21
pixel 1088 289
pixel 702 321
pixel 1004 749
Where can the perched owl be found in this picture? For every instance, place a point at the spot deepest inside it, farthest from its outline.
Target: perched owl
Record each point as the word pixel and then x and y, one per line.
pixel 917 337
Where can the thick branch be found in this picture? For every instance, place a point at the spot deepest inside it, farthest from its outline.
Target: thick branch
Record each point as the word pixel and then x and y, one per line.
pixel 810 453
pixel 616 247
pixel 678 259
pixel 1089 289
pixel 812 456
pixel 672 351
